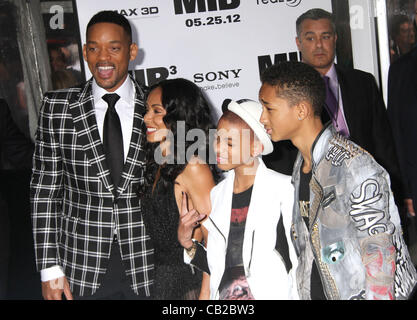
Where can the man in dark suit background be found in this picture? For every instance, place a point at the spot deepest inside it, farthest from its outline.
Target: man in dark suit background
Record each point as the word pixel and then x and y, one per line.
pixel 402 112
pixel 358 110
pixel 16 149
pixel 16 255
pixel 90 240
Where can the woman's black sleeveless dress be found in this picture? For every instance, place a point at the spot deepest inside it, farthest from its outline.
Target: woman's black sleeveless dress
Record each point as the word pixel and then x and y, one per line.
pixel 174 280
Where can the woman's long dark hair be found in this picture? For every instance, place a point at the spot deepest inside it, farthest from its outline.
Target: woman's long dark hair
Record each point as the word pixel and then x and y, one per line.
pixel 183 101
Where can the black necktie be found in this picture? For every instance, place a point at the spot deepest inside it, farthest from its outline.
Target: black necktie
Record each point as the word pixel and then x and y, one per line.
pixel 113 139
pixel 332 106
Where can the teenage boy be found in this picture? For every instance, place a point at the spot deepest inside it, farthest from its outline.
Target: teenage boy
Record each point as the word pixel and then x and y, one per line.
pixel 249 224
pixel 345 228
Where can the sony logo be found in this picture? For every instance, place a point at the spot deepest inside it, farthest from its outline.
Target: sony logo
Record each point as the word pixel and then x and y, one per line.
pixel 217 76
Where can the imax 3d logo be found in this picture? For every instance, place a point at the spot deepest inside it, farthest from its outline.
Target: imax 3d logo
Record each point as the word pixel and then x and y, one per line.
pixel 265 62
pixel 151 76
pixel 290 3
pixel 191 6
pixel 128 12
pixel 217 76
pixel 135 12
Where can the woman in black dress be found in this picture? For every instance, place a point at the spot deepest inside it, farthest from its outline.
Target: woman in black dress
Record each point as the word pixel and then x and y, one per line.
pixel 178 120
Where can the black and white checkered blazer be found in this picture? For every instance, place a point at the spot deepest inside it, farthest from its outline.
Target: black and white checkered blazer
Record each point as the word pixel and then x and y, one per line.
pixel 75 206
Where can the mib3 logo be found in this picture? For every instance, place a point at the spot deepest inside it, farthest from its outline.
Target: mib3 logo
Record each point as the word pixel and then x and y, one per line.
pixel 290 3
pixel 265 62
pixel 152 76
pixel 193 6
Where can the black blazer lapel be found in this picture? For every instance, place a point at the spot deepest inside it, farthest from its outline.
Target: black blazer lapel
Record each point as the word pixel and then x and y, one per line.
pixel 136 154
pixel 84 118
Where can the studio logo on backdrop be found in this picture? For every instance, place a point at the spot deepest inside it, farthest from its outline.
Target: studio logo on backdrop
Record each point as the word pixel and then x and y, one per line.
pixel 151 76
pixel 217 80
pixel 266 61
pixel 293 3
pixel 290 3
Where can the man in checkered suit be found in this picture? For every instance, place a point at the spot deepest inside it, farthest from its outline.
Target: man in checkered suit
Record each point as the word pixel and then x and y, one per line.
pixel 90 240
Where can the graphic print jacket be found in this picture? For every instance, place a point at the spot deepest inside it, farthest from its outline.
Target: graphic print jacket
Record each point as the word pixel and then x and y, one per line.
pixel 354 231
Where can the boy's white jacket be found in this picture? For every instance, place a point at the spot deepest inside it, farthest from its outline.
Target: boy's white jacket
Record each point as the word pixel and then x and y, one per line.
pixel 272 196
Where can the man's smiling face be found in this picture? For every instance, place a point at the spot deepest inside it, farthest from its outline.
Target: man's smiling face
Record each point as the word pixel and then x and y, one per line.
pixel 108 52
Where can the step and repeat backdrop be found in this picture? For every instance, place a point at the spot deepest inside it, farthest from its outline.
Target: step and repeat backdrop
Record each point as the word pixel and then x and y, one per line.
pixel 221 45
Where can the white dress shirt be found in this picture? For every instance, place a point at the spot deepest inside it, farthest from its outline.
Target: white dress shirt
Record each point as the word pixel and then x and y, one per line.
pixel 125 108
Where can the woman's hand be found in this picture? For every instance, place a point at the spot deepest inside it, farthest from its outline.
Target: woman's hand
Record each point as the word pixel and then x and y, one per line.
pixel 189 220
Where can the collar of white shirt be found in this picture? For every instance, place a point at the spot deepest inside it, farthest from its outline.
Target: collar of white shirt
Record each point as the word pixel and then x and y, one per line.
pixel 125 107
pixel 125 91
